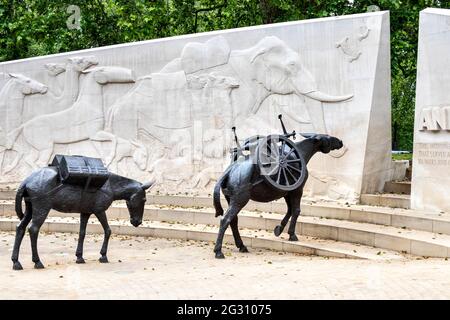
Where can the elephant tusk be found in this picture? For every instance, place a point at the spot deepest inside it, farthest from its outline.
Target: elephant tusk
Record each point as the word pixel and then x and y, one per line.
pixel 323 97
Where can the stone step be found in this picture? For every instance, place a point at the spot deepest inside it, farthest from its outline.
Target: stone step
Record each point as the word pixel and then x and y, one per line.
pixel 396 217
pixel 404 240
pixel 384 215
pixel 387 200
pixel 398 187
pixel 256 239
pixel 7 194
pixel 398 201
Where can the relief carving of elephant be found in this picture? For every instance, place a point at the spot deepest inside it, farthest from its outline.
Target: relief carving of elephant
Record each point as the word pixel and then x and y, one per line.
pixel 272 67
pixel 269 67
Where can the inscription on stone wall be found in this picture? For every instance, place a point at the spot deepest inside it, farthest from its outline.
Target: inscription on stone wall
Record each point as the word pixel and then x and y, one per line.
pixel 434 119
pixel 433 154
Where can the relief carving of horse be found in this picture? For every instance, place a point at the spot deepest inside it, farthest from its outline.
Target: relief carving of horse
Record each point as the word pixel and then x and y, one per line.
pixel 77 123
pixel 12 95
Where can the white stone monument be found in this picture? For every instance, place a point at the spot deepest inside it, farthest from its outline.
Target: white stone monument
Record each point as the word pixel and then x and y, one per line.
pixel 431 159
pixel 165 108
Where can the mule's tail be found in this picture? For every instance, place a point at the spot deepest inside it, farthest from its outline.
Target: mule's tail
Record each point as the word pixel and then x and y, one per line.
pixel 19 197
pixel 216 193
pixel 216 198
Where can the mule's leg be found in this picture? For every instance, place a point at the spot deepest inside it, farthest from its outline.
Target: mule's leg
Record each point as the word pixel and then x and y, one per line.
pixel 237 236
pixel 104 221
pixel 295 205
pixel 230 214
pixel 20 232
pixel 279 228
pixel 39 216
pixel 84 218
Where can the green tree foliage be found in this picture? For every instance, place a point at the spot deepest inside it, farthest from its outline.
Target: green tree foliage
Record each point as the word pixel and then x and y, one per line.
pixel 38 27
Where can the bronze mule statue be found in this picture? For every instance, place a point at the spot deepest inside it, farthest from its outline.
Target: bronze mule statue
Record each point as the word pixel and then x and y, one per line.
pixel 43 191
pixel 242 181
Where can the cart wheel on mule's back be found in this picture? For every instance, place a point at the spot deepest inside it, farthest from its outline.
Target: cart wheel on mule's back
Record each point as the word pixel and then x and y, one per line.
pixel 280 163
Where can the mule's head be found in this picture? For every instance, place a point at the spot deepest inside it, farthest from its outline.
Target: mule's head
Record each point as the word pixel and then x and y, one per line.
pixel 324 142
pixel 136 203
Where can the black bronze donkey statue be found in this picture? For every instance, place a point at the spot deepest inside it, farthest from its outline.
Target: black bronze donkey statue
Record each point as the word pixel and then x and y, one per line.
pixel 44 190
pixel 247 179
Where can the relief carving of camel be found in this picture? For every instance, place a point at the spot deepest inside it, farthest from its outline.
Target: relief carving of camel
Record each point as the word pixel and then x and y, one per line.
pixel 77 123
pixel 72 70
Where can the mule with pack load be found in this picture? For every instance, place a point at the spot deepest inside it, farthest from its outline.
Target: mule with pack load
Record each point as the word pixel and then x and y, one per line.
pixel 74 184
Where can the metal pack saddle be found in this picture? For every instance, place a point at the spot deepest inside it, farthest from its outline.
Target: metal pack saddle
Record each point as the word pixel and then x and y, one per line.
pixel 87 172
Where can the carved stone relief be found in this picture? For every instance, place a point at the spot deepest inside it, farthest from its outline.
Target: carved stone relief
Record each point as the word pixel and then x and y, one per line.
pixel 350 45
pixel 12 96
pixel 172 125
pixel 71 70
pixel 77 123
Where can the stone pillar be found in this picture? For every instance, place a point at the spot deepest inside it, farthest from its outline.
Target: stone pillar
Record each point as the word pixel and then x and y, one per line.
pixel 431 164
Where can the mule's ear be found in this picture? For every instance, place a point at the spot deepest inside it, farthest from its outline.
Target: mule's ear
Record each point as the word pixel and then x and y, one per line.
pixel 148 185
pixel 308 135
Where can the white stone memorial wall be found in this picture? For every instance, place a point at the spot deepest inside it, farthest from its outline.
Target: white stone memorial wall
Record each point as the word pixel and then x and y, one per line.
pixel 164 108
pixel 431 158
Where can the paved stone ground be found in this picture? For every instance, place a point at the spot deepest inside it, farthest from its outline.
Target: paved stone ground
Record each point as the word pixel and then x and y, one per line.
pixel 148 268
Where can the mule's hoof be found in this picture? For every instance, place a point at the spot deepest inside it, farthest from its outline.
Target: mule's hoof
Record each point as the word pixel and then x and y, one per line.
pixel 219 255
pixel 103 259
pixel 293 237
pixel 243 249
pixel 278 230
pixel 17 266
pixel 38 265
pixel 80 261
